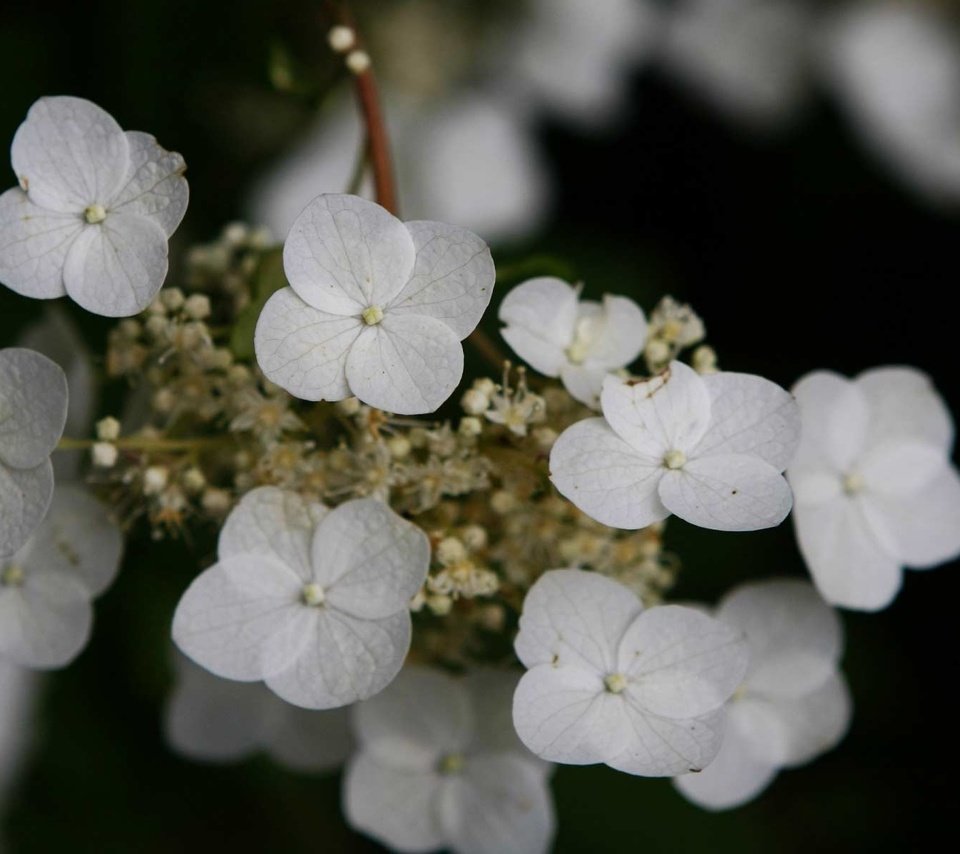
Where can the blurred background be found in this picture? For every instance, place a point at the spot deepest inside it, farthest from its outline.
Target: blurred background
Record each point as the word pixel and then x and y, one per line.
pixel 790 168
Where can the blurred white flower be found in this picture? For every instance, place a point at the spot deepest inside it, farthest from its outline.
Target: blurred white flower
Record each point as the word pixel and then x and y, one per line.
pixel 313 602
pixel 33 410
pixel 439 766
pixel 47 587
pixel 93 212
pixel 218 720
pixel 709 449
pixel 875 489
pixel 18 694
pixel 377 308
pixel 640 690
pixel 580 341
pixel 793 704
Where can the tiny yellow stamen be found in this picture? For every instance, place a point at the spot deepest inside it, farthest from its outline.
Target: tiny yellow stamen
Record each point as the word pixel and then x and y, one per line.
pixel 372 315
pixel 675 459
pixel 452 763
pixel 313 595
pixel 853 483
pixel 94 214
pixel 615 683
pixel 12 576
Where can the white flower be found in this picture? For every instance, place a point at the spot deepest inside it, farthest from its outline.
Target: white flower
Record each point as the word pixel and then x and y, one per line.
pixel 93 211
pixel 33 409
pixel 875 489
pixel 377 308
pixel 47 587
pixel 311 601
pixel 439 766
pixel 709 449
pixel 18 693
pixel 218 720
pixel 640 690
pixel 793 704
pixel 559 335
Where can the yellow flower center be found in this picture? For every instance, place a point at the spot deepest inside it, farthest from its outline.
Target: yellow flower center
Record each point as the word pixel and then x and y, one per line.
pixel 94 213
pixel 372 315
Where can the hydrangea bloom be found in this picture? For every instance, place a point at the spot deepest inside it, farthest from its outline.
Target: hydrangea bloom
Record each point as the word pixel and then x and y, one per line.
pixel 33 410
pixel 708 448
pixel 793 703
pixel 559 335
pixel 874 485
pixel 377 308
pixel 313 602
pixel 218 720
pixel 47 587
pixel 640 690
pixel 439 766
pixel 93 212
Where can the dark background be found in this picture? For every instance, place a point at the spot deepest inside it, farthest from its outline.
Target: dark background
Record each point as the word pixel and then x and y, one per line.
pixel 798 252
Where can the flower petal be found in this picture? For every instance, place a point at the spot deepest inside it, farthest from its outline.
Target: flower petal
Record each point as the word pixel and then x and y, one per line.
pixel 69 153
pixel 115 268
pixel 605 477
pixel 344 254
pixel 304 350
pixel 541 316
pixel 835 415
pixel 491 693
pixel 818 721
pixel 622 335
pixel 33 407
pixel 369 560
pixel 584 384
pixel 24 498
pixel 452 279
pixel 901 468
pixel 905 405
pixel 154 186
pixel 664 747
pixel 408 364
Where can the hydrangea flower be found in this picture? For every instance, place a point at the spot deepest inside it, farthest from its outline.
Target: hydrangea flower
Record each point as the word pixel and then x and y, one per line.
pixel 33 410
pixel 218 720
pixel 93 212
pixel 608 681
pixel 47 587
pixel 313 602
pixel 376 309
pixel 709 449
pixel 875 488
pixel 793 704
pixel 439 766
pixel 557 334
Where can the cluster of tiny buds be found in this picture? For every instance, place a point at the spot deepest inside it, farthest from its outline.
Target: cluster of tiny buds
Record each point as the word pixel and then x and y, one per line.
pixel 512 406
pixel 343 40
pixel 673 327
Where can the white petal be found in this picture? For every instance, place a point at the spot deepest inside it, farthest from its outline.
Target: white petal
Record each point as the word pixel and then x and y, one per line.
pixel 345 659
pixel 45 621
pixel 243 619
pixel 154 186
pixel 681 663
pixel 670 411
pixel 844 556
pixel 33 407
pixel 369 560
pixel 33 246
pixel 835 416
pixel 116 268
pixel 621 336
pixel 24 498
pixel 396 807
pixel 491 693
pixel 900 469
pixel 795 638
pixel 905 405
pixel 408 364
pixel 344 254
pixel 453 277
pixel 541 315
pixel 573 617
pixel 564 714
pixel 69 153
pixel 584 384
pixel 309 740
pixel 304 350
pixel 664 747
pixel 751 415
pixel 275 523
pixel 728 492
pixel 818 721
pixel 497 803
pixel 605 477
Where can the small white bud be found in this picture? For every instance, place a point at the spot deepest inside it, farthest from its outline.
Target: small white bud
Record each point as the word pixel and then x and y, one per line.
pixel 341 39
pixel 154 480
pixel 503 502
pixel 108 429
pixel 235 233
pixel 358 61
pixel 705 360
pixel 474 402
pixel 172 298
pixel 450 550
pixel 104 455
pixel 657 351
pixel 399 447
pixel 440 604
pixel 197 306
pixel 485 386
pixel 193 480
pixel 216 501
pixel 474 537
pixel 349 406
pixel 470 426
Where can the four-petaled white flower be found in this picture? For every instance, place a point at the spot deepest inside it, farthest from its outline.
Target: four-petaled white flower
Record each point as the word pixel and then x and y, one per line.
pixel 376 309
pixel 793 704
pixel 219 720
pixel 875 488
pixel 557 334
pixel 33 410
pixel 47 587
pixel 93 212
pixel 709 449
pixel 640 690
pixel 313 602
pixel 439 766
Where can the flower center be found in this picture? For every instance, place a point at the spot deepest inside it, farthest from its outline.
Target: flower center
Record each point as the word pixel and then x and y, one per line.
pixel 615 683
pixel 853 483
pixel 94 213
pixel 312 595
pixel 372 315
pixel 675 459
pixel 452 763
pixel 12 576
pixel 584 338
